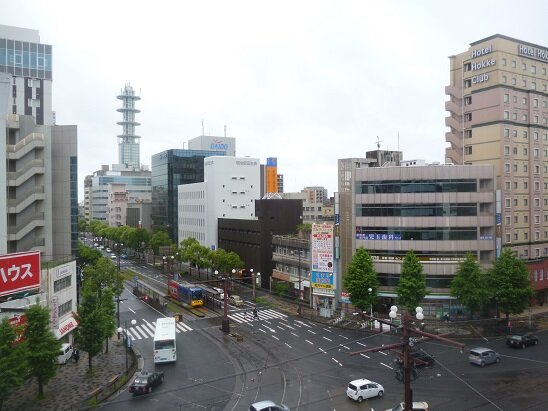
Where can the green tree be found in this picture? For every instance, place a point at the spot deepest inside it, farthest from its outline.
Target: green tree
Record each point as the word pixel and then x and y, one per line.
pixel 13 365
pixel 509 282
pixel 359 278
pixel 90 333
pixel 41 346
pixel 189 247
pixel 469 285
pixel 411 287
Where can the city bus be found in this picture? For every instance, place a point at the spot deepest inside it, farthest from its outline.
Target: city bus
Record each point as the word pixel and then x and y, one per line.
pixel 165 345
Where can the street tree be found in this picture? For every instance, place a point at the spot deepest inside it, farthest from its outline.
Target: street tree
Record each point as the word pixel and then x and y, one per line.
pixel 469 285
pixel 411 287
pixel 359 278
pixel 509 283
pixel 13 365
pixel 159 239
pixel 189 253
pixel 90 332
pixel 41 346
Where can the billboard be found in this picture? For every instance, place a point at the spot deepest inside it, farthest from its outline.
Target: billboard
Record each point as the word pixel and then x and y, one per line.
pixel 322 256
pixel 19 272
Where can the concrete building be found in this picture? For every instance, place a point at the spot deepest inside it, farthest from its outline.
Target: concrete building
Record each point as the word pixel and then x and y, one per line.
pixel 170 169
pixel 38 159
pixel 498 114
pixel 230 188
pixel 313 211
pixel 441 212
pixel 253 240
pixel 214 143
pixel 117 205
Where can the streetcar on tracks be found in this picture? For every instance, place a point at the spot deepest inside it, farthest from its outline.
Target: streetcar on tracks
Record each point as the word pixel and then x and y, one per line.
pixel 187 293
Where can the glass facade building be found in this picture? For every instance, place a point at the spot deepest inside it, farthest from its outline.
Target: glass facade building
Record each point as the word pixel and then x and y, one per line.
pixel 170 169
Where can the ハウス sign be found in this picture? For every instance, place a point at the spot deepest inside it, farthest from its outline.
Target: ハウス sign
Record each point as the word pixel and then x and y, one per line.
pixel 19 272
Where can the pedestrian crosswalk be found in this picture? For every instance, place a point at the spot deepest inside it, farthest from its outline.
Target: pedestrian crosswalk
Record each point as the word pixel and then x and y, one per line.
pixel 246 316
pixel 146 330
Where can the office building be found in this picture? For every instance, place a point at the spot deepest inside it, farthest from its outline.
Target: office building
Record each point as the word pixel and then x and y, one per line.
pixel 38 159
pixel 170 169
pixel 230 188
pixel 440 212
pixel 498 114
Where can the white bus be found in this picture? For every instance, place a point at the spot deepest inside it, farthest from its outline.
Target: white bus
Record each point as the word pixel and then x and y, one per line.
pixel 165 346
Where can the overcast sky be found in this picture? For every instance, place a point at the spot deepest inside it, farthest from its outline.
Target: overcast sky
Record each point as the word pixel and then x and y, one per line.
pixel 308 82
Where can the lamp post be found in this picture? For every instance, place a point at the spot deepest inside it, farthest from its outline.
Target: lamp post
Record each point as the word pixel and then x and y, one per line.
pixel 127 337
pixel 299 309
pixel 118 247
pixel 225 325
pixel 370 305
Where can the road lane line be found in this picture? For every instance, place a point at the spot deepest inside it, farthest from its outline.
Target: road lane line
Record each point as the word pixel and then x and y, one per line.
pixel 366 356
pixel 322 350
pixel 343 336
pixel 296 335
pixel 310 331
pixel 309 342
pixel 288 345
pixel 336 361
pixel 387 366
pixel 328 339
pixel 362 344
pixel 273 336
pixel 130 309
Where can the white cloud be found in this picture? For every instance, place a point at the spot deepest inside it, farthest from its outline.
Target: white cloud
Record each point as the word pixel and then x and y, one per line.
pixel 305 81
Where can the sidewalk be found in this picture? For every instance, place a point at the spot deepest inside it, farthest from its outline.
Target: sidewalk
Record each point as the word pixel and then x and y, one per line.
pixel 72 384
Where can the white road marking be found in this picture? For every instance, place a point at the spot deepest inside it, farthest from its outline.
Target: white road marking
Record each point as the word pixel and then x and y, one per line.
pixel 328 339
pixel 363 355
pixel 309 342
pixel 336 361
pixel 288 345
pixel 130 309
pixel 387 366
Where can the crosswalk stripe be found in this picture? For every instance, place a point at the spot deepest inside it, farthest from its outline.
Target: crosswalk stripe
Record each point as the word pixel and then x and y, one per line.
pixel 247 317
pixel 183 327
pixel 134 335
pixel 149 328
pixel 144 331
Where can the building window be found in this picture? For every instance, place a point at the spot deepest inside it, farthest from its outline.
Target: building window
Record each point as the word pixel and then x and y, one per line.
pixel 507 185
pixel 525 202
pixel 533 85
pixel 525 153
pixel 515 133
pixel 537 219
pixel 61 284
pixel 535 119
pixel 516 219
pixel 525 134
pixel 524 117
pixel 467 100
pixel 526 236
pixel 506 115
pixel 468 116
pixel 507 238
pixel 514 81
pixel 537 186
pixel 535 135
pixel 516 236
pixel 535 102
pixel 524 83
pixel 525 185
pixel 525 219
pixel 536 153
pixel 506 167
pixel 507 203
pixel 513 63
pixel 507 220
pixel 506 97
pixel 533 69
pixel 468 133
pixel 515 202
pixel 65 308
pixel 504 79
pixel 514 116
pixel 467 150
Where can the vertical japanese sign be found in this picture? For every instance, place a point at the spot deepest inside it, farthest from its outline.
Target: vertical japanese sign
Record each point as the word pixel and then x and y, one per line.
pixel 54 311
pixel 19 272
pixel 322 256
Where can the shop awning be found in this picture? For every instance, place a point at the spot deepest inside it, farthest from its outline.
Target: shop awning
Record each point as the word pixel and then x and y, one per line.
pixel 65 327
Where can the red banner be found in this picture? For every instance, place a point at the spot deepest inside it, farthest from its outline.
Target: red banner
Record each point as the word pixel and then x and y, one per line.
pixel 19 272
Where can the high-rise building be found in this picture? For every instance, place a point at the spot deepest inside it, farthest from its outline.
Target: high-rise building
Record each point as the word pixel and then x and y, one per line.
pixel 231 186
pixel 170 169
pixel 128 142
pixel 498 114
pixel 38 159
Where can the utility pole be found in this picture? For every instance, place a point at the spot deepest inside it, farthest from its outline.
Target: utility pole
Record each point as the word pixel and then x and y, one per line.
pixel 225 327
pixel 405 346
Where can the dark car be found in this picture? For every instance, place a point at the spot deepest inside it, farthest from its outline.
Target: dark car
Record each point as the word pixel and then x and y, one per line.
pixel 419 358
pixel 145 381
pixel 521 341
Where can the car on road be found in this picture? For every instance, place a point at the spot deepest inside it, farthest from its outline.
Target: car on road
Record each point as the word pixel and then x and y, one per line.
pixel 268 405
pixel 108 250
pixel 124 256
pixel 422 358
pixel 359 390
pixel 145 382
pixel 415 406
pixel 236 300
pixel 113 256
pixel 483 356
pixel 221 292
pixel 521 341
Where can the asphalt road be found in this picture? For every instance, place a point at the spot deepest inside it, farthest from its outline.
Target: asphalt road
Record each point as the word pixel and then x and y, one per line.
pixel 307 366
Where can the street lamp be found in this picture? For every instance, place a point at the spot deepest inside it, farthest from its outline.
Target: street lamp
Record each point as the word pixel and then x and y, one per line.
pixel 118 247
pixel 370 305
pixel 225 325
pixel 127 337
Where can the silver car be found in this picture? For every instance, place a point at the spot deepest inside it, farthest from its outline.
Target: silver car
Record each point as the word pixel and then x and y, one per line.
pixel 268 405
pixel 483 356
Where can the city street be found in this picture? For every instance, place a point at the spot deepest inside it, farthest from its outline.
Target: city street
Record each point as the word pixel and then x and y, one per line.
pixel 307 366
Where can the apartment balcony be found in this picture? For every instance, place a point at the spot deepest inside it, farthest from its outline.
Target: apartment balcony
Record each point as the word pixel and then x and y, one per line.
pixel 453 91
pixel 454 156
pixel 20 230
pixel 453 107
pixel 17 205
pixel 454 122
pixel 17 178
pixel 31 142
pixel 454 139
pixel 12 121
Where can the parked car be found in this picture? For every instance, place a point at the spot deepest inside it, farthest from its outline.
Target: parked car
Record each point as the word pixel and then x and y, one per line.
pixel 359 390
pixel 521 341
pixel 221 292
pixel 483 356
pixel 268 405
pixel 65 353
pixel 108 250
pixel 145 382
pixel 124 256
pixel 236 300
pixel 422 358
pixel 415 406
pixel 113 256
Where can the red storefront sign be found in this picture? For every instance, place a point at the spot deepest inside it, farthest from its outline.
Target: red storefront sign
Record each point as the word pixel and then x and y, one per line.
pixel 19 272
pixel 19 322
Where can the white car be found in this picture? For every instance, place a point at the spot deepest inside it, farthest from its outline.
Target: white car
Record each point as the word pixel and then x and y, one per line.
pixel 113 256
pixel 236 300
pixel 108 250
pixel 221 292
pixel 361 389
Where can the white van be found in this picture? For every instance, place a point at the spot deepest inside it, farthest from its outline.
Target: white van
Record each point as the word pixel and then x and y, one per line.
pixel 65 353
